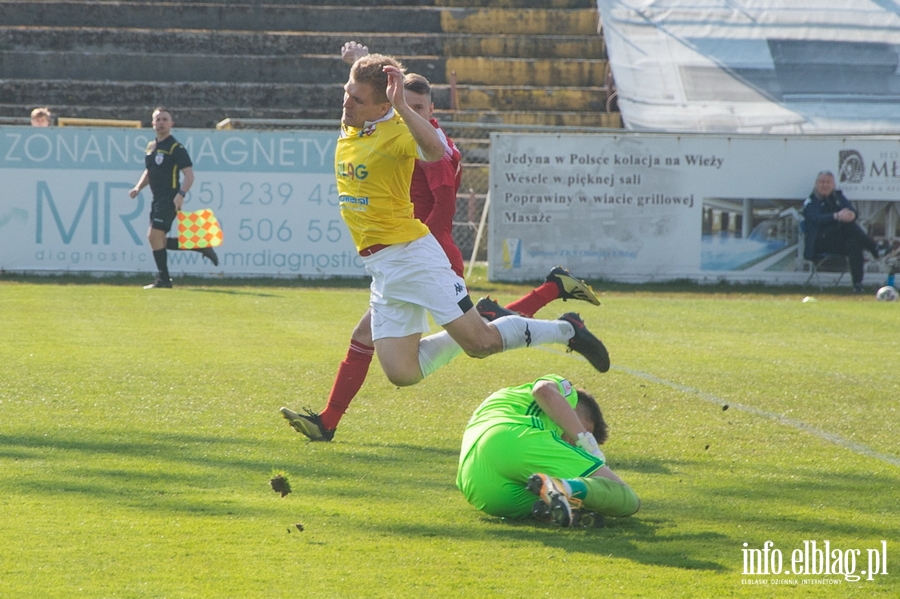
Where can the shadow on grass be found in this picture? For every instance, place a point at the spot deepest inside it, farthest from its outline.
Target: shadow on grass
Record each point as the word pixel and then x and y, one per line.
pixel 426 450
pixel 158 471
pixel 807 502
pixel 642 465
pixel 217 475
pixel 230 292
pixel 687 531
pixel 478 284
pixel 193 473
pixel 132 280
pixel 626 538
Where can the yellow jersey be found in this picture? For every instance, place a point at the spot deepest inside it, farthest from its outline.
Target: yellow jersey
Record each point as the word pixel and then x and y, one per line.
pixel 374 167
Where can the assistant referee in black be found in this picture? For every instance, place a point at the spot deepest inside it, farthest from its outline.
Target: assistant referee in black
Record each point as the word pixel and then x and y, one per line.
pixel 165 160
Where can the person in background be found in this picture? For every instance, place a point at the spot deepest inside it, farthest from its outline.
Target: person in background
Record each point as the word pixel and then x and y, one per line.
pixel 541 438
pixel 40 117
pixel 166 160
pixel 831 228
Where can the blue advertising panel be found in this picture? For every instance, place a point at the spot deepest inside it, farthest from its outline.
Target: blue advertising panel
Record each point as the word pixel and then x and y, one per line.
pixel 64 202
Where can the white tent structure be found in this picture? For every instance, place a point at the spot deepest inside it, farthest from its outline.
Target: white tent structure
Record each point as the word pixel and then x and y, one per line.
pixel 756 66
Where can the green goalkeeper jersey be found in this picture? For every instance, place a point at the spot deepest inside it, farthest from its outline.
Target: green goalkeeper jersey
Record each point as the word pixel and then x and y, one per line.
pixel 515 405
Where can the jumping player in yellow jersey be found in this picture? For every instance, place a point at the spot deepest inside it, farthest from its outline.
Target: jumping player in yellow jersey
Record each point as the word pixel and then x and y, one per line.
pixel 433 191
pixel 381 137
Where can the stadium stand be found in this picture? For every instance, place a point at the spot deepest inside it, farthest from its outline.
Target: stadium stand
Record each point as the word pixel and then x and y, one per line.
pixel 273 59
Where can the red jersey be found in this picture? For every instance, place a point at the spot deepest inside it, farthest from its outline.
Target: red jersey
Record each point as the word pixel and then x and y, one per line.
pixel 433 194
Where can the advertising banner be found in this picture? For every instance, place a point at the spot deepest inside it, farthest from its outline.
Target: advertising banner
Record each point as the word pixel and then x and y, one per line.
pixel 642 207
pixel 64 203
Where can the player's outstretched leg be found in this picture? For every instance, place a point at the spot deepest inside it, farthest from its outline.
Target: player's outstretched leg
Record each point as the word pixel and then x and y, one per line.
pixel 570 287
pixel 490 310
pixel 586 344
pixel 309 424
pixel 560 284
pixel 583 341
pixel 553 493
pixel 208 253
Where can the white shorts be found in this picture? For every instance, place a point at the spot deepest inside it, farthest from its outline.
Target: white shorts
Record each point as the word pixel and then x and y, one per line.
pixel 408 281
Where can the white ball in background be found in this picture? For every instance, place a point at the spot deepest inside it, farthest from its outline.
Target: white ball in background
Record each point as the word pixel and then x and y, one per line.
pixel 887 294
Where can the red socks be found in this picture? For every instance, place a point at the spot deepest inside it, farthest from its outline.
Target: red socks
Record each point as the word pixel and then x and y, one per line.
pixel 351 375
pixel 534 300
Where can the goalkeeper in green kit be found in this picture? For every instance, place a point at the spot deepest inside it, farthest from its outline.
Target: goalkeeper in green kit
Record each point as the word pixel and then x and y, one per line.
pixel 540 439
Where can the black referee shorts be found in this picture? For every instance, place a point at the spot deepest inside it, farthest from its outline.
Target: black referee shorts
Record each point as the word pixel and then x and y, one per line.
pixel 162 213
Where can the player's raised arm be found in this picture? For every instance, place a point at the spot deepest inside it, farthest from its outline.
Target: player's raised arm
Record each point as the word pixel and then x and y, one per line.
pixel 431 144
pixel 551 401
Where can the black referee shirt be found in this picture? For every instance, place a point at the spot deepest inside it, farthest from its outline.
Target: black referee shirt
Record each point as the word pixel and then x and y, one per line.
pixel 164 161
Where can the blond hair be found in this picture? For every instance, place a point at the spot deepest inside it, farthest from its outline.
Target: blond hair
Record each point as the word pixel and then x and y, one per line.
pixel 369 70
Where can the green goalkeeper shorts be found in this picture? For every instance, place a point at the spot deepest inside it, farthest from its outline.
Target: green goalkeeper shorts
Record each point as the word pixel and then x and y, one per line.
pixel 493 474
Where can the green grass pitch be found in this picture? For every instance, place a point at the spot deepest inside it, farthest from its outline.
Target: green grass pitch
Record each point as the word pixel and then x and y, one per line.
pixel 139 430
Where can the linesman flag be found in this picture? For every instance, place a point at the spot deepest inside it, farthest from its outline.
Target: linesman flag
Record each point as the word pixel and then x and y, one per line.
pixel 198 229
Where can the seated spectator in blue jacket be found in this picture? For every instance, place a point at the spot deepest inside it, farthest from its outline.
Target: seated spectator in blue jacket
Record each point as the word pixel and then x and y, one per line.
pixel 831 228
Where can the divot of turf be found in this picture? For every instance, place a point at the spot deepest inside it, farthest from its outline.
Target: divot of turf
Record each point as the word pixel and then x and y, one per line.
pixel 280 484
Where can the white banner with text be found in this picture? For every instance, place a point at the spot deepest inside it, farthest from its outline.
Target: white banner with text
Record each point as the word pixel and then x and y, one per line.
pixel 64 203
pixel 638 207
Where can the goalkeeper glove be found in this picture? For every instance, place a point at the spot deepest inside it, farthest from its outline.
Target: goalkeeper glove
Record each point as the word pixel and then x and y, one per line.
pixel 587 442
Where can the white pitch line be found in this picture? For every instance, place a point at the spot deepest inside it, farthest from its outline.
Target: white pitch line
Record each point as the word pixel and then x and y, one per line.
pixel 779 418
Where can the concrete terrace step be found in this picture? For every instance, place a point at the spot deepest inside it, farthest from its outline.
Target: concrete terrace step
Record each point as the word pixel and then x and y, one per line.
pixel 254 43
pixel 199 113
pixel 534 99
pixel 520 21
pixel 344 3
pixel 405 3
pixel 542 119
pixel 169 15
pixel 516 3
pixel 400 19
pixel 328 96
pixel 287 96
pixel 186 116
pixel 223 42
pixel 192 67
pixel 304 68
pixel 545 72
pixel 518 46
pixel 556 4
